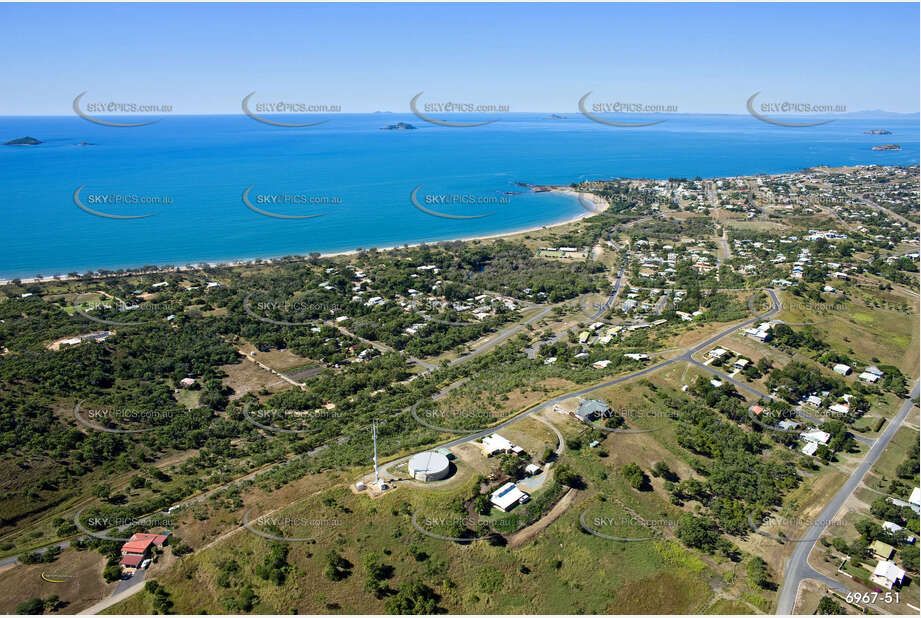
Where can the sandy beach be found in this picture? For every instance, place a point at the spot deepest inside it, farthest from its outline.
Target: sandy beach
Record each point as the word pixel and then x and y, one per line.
pixel 599 204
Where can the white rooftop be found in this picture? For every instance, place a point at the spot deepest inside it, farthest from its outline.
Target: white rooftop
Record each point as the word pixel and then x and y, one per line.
pixel 495 443
pixel 506 496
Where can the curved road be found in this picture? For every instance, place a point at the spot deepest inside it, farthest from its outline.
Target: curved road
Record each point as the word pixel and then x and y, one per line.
pixel 798 567
pixel 686 357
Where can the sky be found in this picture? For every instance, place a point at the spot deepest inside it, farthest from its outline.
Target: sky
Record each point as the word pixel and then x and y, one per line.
pixel 702 58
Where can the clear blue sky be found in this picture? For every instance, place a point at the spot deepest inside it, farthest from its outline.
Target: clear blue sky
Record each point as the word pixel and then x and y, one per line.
pixel 533 57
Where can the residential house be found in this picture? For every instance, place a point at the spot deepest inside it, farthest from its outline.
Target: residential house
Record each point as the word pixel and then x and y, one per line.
pixel 842 369
pixel 810 448
pixel 887 574
pixel 881 550
pixel 816 435
pixel 495 443
pixel 507 497
pixel 592 409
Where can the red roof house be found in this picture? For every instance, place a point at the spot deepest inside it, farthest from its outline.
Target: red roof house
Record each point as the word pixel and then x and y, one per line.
pixel 140 543
pixel 131 561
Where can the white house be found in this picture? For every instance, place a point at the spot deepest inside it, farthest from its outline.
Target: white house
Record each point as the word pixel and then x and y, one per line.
pixel 842 369
pixel 810 448
pixel 506 497
pixel 915 499
pixel 866 376
pixel 815 435
pixel 495 443
pixel 887 574
pixel 892 527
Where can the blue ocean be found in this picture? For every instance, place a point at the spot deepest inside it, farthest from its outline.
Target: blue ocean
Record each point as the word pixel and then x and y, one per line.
pixel 189 173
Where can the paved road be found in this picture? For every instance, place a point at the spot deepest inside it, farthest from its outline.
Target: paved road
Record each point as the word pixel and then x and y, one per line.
pixel 532 350
pixel 724 241
pixel 798 567
pixel 380 347
pixel 14 559
pixel 686 357
pixel 121 593
pixel 757 393
pixel 502 336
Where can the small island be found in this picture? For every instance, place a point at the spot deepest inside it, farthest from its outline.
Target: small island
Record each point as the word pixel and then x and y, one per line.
pixel 878 132
pixel 556 117
pixel 23 141
pixel 400 126
pixel 887 147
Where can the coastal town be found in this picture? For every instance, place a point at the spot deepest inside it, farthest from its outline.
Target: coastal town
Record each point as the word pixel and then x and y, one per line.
pixel 703 366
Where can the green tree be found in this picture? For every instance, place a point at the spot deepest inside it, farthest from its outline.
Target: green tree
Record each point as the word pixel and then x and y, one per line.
pixel 112 573
pixel 698 532
pixel 102 491
pixel 634 475
pixel 31 607
pixel 413 597
pixel 758 573
pixel 828 607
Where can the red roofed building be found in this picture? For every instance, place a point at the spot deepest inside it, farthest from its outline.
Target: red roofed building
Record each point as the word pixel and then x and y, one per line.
pixel 131 561
pixel 140 543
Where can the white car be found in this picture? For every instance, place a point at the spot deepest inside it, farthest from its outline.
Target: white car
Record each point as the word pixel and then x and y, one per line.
pixel 145 564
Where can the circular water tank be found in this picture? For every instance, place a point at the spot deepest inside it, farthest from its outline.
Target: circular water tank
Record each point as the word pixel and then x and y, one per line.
pixel 429 466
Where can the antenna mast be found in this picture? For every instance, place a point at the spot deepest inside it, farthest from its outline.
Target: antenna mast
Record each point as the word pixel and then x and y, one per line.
pixel 377 480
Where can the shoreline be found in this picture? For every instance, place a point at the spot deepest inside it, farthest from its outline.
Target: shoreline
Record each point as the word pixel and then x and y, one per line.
pixel 130 272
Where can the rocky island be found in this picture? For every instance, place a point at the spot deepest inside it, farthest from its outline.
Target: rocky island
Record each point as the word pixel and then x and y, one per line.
pixel 878 132
pixel 23 141
pixel 400 126
pixel 887 147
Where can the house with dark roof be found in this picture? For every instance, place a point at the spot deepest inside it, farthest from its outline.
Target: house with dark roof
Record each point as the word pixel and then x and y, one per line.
pixel 592 409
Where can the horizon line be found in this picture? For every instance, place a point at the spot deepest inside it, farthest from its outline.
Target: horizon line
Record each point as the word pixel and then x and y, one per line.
pixel 410 113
